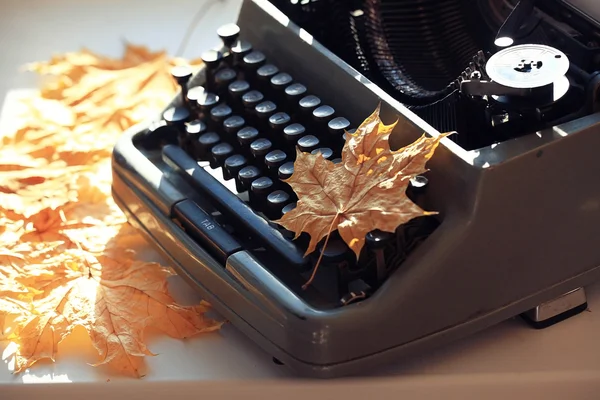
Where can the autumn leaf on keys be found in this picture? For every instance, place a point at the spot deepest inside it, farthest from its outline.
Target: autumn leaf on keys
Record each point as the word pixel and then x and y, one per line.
pixel 364 192
pixel 68 257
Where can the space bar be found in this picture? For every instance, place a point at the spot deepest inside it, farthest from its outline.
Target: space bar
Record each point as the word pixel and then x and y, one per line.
pixel 231 205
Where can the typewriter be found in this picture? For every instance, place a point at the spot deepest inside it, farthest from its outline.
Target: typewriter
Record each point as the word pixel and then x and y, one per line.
pixel 516 187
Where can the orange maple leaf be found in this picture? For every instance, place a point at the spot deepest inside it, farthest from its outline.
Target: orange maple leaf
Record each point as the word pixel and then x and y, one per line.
pixel 68 257
pixel 365 192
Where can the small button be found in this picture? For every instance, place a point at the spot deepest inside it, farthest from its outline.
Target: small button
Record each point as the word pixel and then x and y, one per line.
pixel 239 50
pixel 176 115
pixel 289 207
pixel 294 132
pixel 275 202
pixel 233 124
pixel 232 166
pixel 323 113
pixel 225 76
pixel 279 120
pixel 274 159
pixel 309 103
pixel 326 152
pixel 259 189
pixel 254 60
pixel 246 176
pixel 308 143
pixel 228 34
pixel 247 135
pixel 220 113
pixel 260 147
pixel 204 144
pixel 238 88
pixel 207 101
pixel 265 109
pixel 286 170
pixel 195 93
pixel 295 91
pixel 219 153
pixel 338 126
pixel 266 72
pixel 195 127
pixel 281 80
pixel 252 98
pixel 181 74
pixel 212 58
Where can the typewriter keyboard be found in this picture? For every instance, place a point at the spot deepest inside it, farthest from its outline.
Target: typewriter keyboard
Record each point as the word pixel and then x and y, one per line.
pixel 233 140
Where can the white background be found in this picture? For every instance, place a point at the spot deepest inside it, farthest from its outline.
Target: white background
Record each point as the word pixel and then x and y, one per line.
pixel 508 360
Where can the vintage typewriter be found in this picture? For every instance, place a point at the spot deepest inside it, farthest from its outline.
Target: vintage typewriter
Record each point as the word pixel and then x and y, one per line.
pixel 517 187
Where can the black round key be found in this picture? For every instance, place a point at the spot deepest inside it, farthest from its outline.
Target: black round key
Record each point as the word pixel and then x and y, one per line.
pixel 212 58
pixel 181 73
pixel 233 124
pixel 281 80
pixel 252 98
pixel 336 160
pixel 308 143
pixel 176 115
pixel 225 76
pixel 275 202
pixel 207 101
pixel 289 207
pixel 265 109
pixel 259 190
pixel 260 147
pixel 238 88
pixel 417 186
pixel 219 153
pixel 228 33
pixel 295 92
pixel 247 175
pixel 274 159
pixel 195 93
pixel 279 120
pixel 326 152
pixel 254 60
pixel 309 103
pixel 348 131
pixel 378 239
pixel 195 127
pixel 294 132
pixel 266 72
pixel 204 145
pixel 338 126
pixel 336 251
pixel 239 50
pixel 232 166
pixel 247 135
pixel 323 113
pixel 286 170
pixel 220 113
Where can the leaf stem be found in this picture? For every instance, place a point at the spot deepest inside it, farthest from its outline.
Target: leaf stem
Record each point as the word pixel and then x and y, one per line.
pixel 314 273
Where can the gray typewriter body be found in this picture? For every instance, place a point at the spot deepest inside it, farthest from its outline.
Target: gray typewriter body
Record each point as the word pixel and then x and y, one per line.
pixel 519 226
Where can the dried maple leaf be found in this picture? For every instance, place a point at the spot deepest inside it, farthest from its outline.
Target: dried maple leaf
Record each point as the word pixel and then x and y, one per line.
pixel 68 257
pixel 365 192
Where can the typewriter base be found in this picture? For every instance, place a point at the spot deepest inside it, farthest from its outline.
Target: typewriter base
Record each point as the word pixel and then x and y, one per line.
pixel 144 216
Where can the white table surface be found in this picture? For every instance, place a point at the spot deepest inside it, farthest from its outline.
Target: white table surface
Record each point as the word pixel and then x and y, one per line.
pixel 510 359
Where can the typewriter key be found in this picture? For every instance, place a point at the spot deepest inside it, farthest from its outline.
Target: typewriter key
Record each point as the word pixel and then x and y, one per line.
pixel 228 34
pixel 237 89
pixel 223 78
pixel 264 110
pixel 286 170
pixel 204 144
pixel 278 84
pixel 193 95
pixel 246 136
pixel 252 62
pixel 323 114
pixel 220 113
pixel 286 233
pixel 182 75
pixel 326 152
pixel 292 133
pixel 207 101
pixel 246 176
pixel 232 166
pixel 176 116
pixel 195 128
pixel 212 59
pixel 308 143
pixel 259 148
pixel 277 122
pixel 265 73
pixel 274 159
pixel 308 104
pixel 275 202
pixel 338 126
pixel 376 241
pixel 259 190
pixel 232 125
pixel 252 98
pixel 220 152
pixel 294 93
pixel 239 50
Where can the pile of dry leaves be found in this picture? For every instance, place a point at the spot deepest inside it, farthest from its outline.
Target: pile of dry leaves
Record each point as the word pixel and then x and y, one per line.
pixel 67 255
